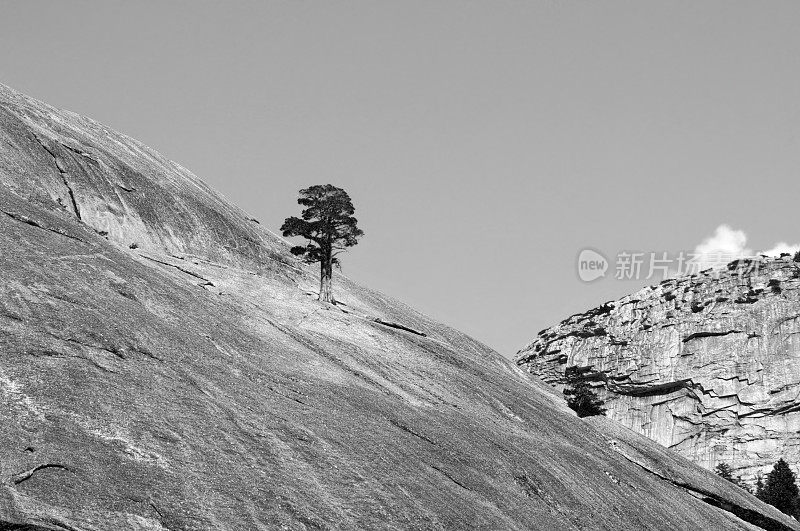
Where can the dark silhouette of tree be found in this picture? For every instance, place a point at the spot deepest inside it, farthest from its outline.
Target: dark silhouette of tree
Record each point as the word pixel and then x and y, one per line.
pixel 780 489
pixel 759 485
pixel 580 396
pixel 724 471
pixel 328 224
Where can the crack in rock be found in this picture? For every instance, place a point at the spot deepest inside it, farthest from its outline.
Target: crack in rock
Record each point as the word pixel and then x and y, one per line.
pixel 27 474
pixel 411 432
pixel 399 327
pixel 50 354
pixel 451 478
pixel 698 335
pixel 63 174
pixel 181 269
pixel 5 525
pixel 28 221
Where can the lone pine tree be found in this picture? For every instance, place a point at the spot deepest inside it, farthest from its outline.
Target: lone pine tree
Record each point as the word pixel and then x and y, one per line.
pixel 328 224
pixel 780 489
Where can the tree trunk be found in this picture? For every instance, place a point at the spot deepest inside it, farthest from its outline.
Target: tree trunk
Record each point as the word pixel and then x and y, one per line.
pixel 325 274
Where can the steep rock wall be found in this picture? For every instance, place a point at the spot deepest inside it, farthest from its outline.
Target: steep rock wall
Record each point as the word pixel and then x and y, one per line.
pixel 707 365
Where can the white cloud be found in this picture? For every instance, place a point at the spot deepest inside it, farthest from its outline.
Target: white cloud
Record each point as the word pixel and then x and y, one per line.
pixel 727 244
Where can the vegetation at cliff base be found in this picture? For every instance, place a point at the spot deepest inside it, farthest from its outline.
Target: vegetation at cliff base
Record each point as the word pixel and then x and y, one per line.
pixel 725 471
pixel 780 489
pixel 580 396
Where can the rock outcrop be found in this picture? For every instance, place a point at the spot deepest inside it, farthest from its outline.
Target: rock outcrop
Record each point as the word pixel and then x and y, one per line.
pixel 164 365
pixel 707 365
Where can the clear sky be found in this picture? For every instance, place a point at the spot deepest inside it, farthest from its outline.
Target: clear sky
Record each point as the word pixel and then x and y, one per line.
pixel 484 143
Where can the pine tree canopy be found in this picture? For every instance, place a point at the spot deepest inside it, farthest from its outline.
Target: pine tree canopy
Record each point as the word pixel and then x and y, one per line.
pixel 780 488
pixel 327 222
pixel 724 471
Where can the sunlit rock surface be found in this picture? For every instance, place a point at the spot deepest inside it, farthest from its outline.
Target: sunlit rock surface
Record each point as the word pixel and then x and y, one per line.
pixel 164 365
pixel 707 365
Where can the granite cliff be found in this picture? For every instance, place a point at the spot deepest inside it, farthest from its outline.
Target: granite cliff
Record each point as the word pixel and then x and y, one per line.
pixel 164 365
pixel 707 365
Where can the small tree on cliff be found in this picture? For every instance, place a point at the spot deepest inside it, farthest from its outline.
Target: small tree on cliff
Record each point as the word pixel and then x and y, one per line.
pixel 780 489
pixel 580 396
pixel 724 471
pixel 759 488
pixel 328 224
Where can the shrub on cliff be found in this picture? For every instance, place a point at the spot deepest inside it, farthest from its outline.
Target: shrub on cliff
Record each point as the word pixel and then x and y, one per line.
pixel 780 489
pixel 580 396
pixel 775 286
pixel 725 471
pixel 759 488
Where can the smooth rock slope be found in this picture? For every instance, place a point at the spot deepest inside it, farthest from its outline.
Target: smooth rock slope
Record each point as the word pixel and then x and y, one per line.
pixel 707 365
pixel 164 365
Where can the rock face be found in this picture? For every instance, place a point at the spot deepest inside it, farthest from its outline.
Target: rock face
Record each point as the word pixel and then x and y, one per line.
pixel 164 365
pixel 707 365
